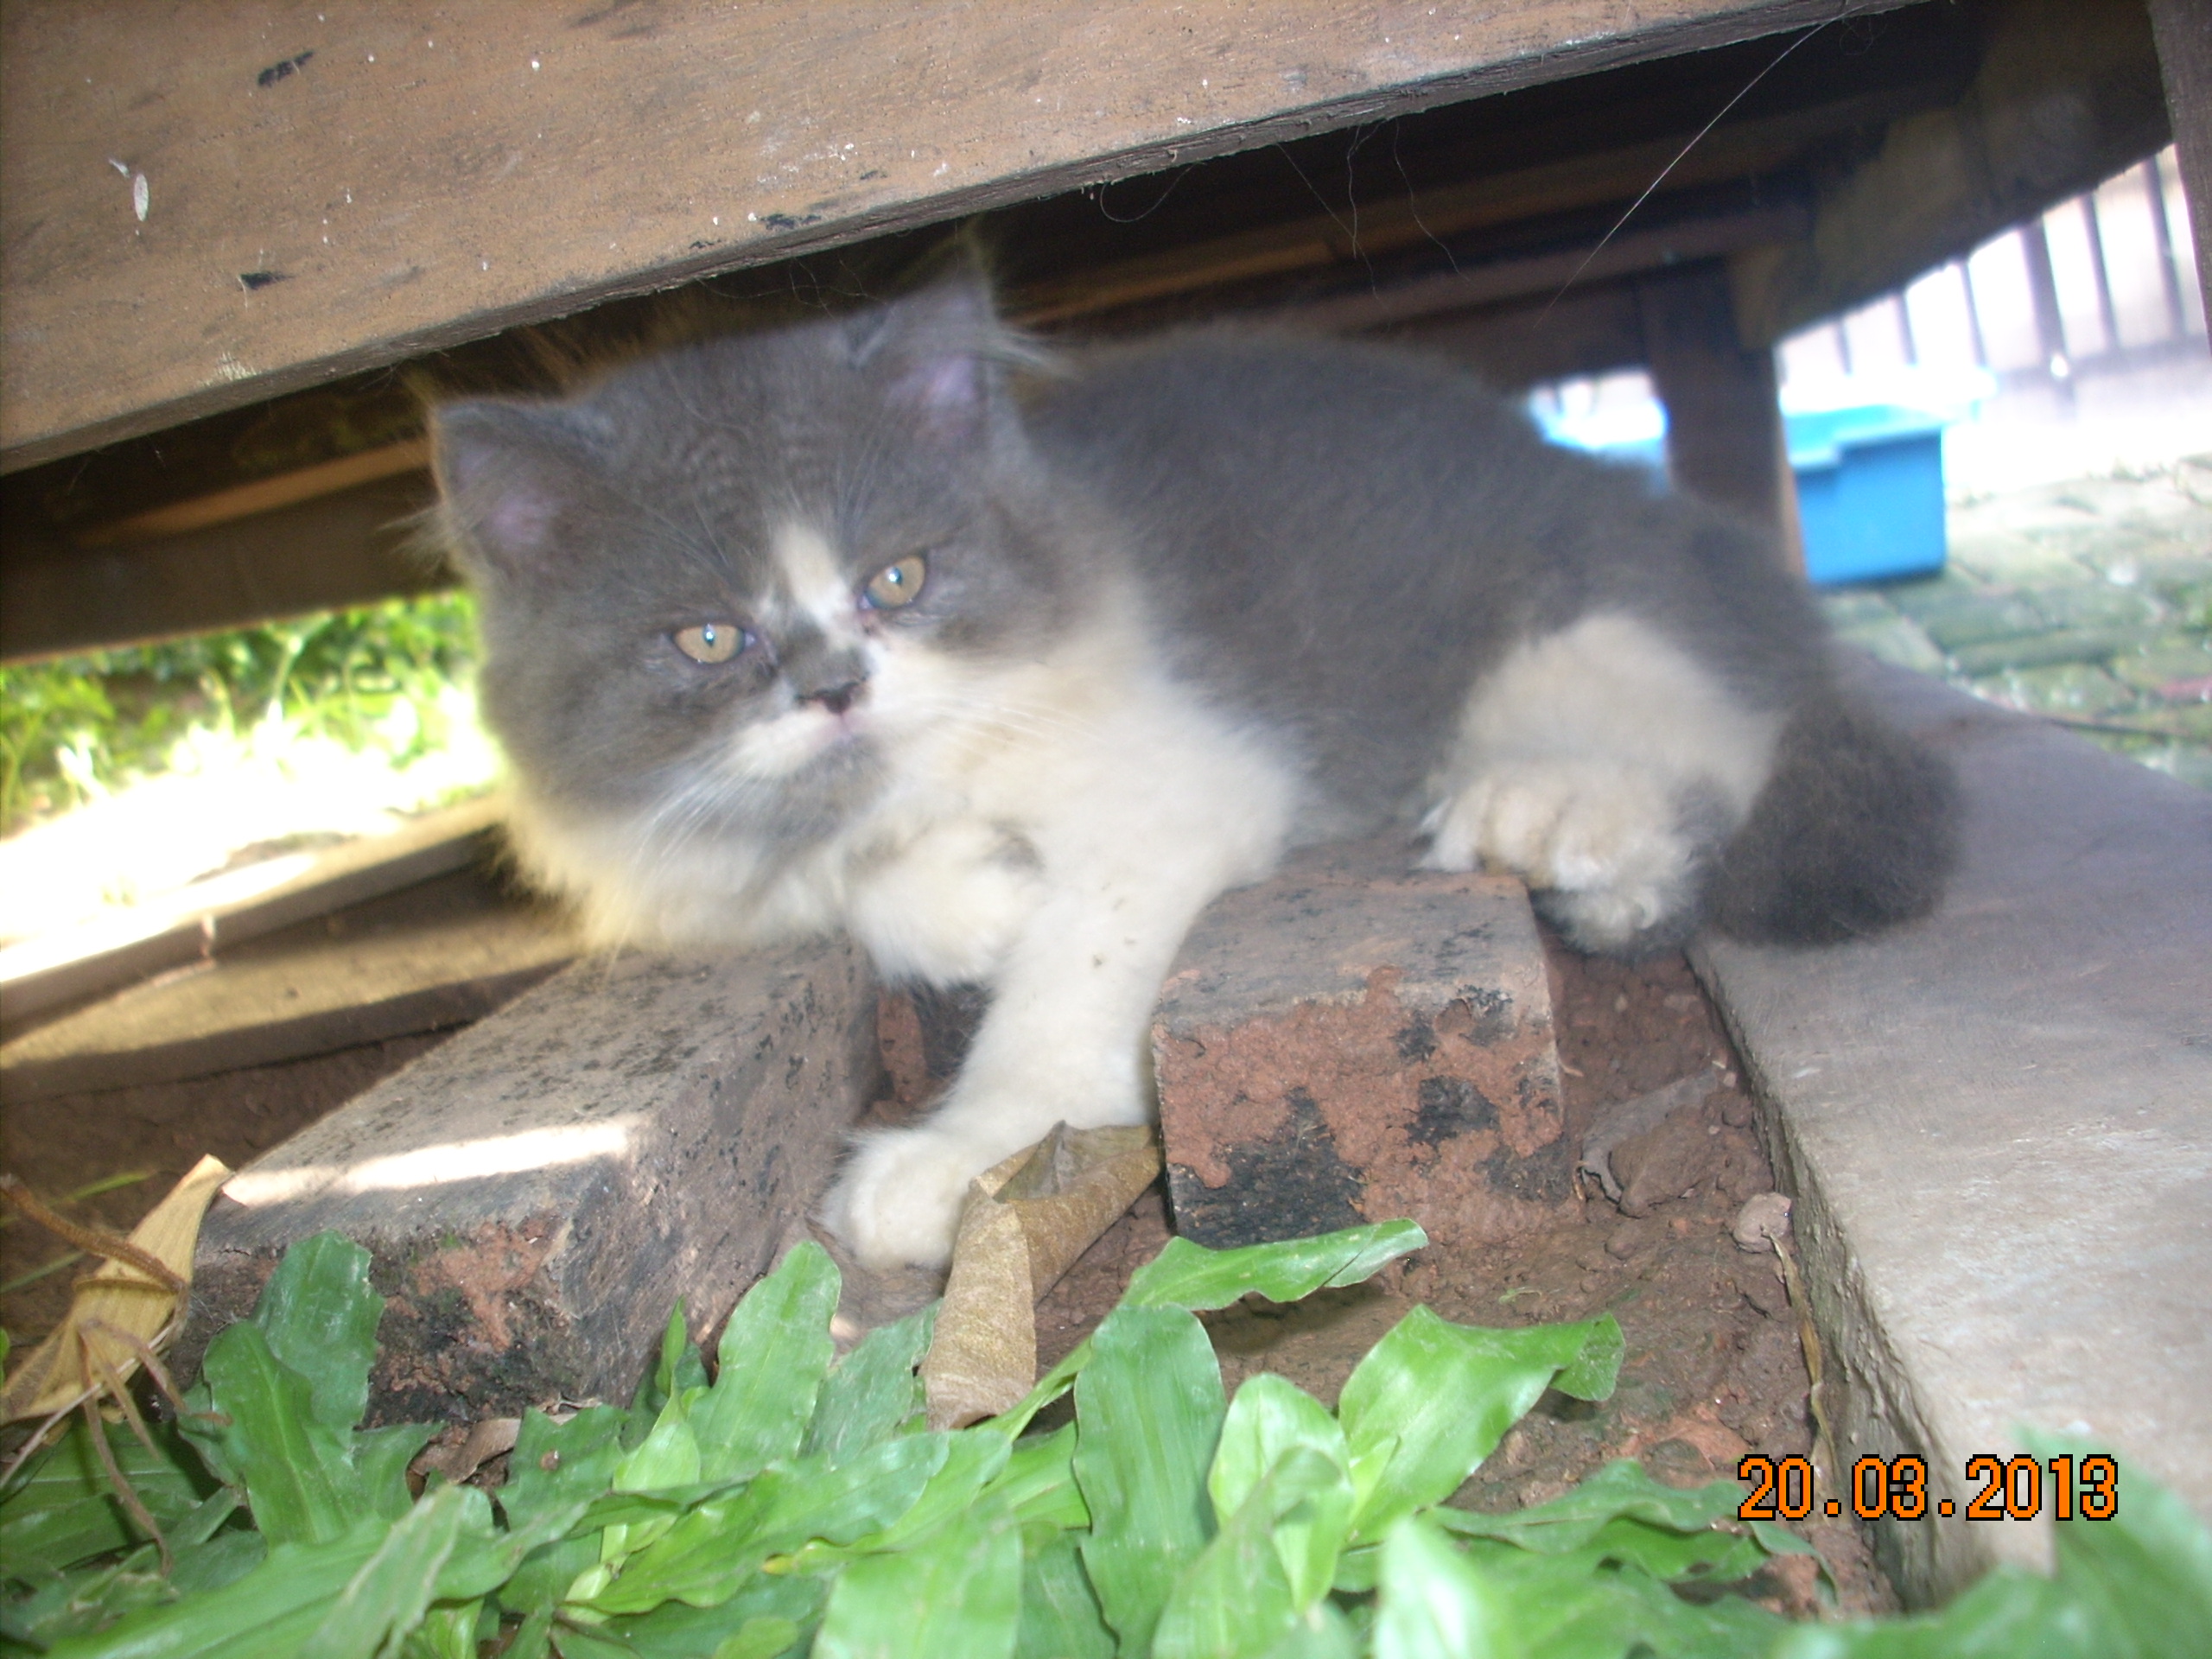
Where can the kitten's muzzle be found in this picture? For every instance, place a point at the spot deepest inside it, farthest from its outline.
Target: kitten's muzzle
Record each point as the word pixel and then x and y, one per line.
pixel 836 698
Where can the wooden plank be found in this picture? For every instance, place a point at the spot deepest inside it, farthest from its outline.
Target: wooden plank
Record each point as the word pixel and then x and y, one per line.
pixel 1593 329
pixel 2184 31
pixel 329 187
pixel 184 927
pixel 2067 94
pixel 1993 1126
pixel 443 953
pixel 354 546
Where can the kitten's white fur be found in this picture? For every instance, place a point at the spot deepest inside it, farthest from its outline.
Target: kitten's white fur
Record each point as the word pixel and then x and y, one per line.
pixel 1052 828
pixel 1571 763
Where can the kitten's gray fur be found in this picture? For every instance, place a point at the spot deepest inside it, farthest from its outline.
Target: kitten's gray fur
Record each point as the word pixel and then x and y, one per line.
pixel 1185 603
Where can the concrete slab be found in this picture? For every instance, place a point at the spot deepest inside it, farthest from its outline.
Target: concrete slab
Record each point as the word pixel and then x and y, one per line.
pixel 1998 1127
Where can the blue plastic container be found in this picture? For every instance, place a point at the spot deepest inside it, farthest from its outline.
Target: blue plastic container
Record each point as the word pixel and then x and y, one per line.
pixel 1870 480
pixel 1870 492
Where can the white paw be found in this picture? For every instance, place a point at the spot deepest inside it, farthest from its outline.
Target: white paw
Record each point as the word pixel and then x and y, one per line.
pixel 897 1202
pixel 1601 835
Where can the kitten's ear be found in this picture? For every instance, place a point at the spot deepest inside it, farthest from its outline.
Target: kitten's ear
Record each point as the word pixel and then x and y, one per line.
pixel 937 352
pixel 507 472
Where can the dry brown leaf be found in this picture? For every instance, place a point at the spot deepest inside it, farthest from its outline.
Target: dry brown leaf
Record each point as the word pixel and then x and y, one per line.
pixel 118 1312
pixel 1024 1223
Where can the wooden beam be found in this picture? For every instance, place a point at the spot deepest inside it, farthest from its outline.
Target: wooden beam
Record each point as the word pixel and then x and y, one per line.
pixel 1724 426
pixel 2184 31
pixel 354 546
pixel 208 207
pixel 2067 95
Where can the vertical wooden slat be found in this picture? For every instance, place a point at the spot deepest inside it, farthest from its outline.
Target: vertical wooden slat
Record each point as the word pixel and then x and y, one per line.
pixel 2184 31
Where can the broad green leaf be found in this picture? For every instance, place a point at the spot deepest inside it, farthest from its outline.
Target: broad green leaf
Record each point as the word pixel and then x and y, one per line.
pixel 215 1561
pixel 1620 1489
pixel 1237 1601
pixel 773 1355
pixel 873 1389
pixel 709 1552
pixel 1148 1412
pixel 389 1595
pixel 61 1509
pixel 1433 1605
pixel 297 1471
pixel 1189 1275
pixel 1321 1632
pixel 268 1614
pixel 1270 1419
pixel 446 1633
pixel 957 1595
pixel 72 1605
pixel 1039 1481
pixel 668 1457
pixel 1059 1615
pixel 1447 1394
pixel 380 1460
pixel 556 1464
pixel 972 1462
pixel 744 1625
pixel 320 1316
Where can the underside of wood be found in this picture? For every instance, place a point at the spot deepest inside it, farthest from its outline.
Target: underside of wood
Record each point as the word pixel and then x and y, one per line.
pixel 295 193
pixel 2066 94
pixel 2184 30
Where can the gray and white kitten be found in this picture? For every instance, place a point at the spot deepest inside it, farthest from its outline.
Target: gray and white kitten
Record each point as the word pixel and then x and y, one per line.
pixel 1009 666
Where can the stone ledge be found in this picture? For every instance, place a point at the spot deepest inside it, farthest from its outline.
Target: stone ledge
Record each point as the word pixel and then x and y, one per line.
pixel 1996 1124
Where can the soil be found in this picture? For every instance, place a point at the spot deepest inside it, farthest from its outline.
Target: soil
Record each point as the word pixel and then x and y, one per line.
pixel 1714 1367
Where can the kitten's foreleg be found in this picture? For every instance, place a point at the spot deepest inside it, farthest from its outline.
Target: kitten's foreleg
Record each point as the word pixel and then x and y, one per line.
pixel 1064 1040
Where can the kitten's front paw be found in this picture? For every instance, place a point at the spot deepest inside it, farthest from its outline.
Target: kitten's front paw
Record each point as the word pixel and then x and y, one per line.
pixel 898 1203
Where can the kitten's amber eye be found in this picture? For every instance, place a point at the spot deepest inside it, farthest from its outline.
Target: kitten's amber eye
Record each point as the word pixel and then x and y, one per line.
pixel 710 642
pixel 897 585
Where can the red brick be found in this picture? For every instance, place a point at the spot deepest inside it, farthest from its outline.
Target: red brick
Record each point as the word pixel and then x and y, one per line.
pixel 1354 1040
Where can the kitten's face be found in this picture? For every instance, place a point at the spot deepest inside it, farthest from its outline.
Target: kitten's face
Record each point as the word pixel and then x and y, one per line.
pixel 725 589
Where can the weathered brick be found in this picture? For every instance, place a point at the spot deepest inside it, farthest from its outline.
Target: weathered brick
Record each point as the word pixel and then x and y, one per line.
pixel 1354 1040
pixel 537 1193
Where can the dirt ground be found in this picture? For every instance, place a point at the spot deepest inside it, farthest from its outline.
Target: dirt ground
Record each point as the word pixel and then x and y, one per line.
pixel 1713 1368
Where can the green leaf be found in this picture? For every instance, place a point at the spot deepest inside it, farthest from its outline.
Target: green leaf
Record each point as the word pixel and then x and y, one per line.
pixel 769 1604
pixel 1270 1419
pixel 1060 1619
pixel 380 1460
pixel 956 1596
pixel 61 1509
pixel 1433 1605
pixel 295 1466
pixel 1039 1480
pixel 708 1555
pixel 390 1592
pixel 679 1369
pixel 1619 1489
pixel 1238 1600
pixel 268 1614
pixel 1184 1275
pixel 446 1633
pixel 773 1355
pixel 554 1465
pixel 1189 1275
pixel 320 1316
pixel 1148 1415
pixel 873 1389
pixel 2136 1586
pixel 1433 1399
